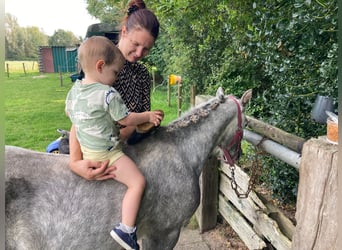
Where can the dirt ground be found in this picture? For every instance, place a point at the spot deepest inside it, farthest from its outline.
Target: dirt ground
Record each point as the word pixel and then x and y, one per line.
pixel 223 237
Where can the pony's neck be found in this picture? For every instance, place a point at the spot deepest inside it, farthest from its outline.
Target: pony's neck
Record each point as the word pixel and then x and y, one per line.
pixel 198 139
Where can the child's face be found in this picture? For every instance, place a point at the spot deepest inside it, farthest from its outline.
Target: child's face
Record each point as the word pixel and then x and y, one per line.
pixel 110 72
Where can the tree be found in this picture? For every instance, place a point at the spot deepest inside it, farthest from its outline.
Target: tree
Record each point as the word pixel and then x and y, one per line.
pixel 63 38
pixel 22 43
pixel 33 39
pixel 108 11
pixel 12 34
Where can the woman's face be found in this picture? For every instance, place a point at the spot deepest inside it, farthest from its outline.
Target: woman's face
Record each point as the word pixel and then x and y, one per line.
pixel 135 44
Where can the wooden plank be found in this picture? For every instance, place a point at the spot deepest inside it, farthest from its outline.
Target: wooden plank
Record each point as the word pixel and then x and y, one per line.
pixel 272 233
pixel 242 180
pixel 247 206
pixel 259 216
pixel 316 211
pixel 284 138
pixel 285 224
pixel 240 225
pixel 202 98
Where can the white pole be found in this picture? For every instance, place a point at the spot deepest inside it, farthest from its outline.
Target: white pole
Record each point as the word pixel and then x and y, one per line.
pixel 286 155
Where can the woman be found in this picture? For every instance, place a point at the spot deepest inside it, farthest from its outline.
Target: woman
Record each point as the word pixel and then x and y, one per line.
pixel 139 32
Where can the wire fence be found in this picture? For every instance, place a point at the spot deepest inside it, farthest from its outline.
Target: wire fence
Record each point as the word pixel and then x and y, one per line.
pixel 21 67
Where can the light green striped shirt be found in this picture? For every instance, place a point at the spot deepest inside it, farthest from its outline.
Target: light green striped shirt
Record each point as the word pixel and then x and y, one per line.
pixel 94 109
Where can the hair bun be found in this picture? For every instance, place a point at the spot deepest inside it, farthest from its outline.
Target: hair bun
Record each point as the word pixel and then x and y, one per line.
pixel 132 9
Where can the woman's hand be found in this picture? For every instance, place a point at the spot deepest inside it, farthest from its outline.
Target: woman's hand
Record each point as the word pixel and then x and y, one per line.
pixel 156 117
pixel 90 170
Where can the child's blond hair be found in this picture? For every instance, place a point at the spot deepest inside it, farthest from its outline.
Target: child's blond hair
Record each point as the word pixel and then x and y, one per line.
pixel 98 48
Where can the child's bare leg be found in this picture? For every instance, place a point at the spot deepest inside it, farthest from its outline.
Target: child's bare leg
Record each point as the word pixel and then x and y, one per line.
pixel 127 173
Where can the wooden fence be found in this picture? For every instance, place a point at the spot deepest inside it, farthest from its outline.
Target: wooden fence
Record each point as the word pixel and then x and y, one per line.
pixel 259 224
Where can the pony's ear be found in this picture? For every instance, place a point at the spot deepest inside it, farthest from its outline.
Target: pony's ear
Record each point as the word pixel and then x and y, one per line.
pixel 246 97
pixel 220 94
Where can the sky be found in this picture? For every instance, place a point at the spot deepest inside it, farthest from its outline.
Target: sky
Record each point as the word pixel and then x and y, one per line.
pixel 69 15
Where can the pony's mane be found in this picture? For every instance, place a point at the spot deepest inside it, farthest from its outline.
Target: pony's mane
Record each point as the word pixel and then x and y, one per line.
pixel 193 115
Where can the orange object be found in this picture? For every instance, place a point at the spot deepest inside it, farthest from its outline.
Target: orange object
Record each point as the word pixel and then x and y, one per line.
pixel 332 131
pixel 145 127
pixel 173 79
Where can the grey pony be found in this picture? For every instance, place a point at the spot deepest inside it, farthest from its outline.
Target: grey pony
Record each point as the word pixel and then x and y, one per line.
pixel 50 208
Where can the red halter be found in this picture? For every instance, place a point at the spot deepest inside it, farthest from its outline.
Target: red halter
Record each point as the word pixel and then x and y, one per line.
pixel 227 158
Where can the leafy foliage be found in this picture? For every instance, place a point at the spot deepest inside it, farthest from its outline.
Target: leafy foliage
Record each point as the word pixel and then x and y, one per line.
pixel 63 38
pixel 108 11
pixel 285 50
pixel 22 42
pixel 296 48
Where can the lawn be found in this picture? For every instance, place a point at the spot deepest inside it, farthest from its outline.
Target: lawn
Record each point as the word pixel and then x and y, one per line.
pixel 34 108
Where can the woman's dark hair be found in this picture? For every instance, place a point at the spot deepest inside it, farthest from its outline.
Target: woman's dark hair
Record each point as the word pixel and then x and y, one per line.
pixel 139 16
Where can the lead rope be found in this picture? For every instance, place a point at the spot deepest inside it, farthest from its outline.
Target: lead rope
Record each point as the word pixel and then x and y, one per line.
pixel 254 177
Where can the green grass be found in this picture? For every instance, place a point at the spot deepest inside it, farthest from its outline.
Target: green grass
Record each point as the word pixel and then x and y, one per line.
pixel 34 108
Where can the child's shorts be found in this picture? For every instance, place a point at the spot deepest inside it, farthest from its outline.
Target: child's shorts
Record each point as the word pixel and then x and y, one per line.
pixel 113 155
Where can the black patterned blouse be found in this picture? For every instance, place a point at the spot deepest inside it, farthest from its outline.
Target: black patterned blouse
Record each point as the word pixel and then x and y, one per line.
pixel 134 85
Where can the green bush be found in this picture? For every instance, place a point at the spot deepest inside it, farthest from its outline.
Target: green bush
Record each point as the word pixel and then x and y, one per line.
pixel 298 60
pixel 286 50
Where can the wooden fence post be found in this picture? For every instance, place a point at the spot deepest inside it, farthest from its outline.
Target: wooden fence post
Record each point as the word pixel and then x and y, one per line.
pixel 193 91
pixel 316 212
pixel 24 69
pixel 60 75
pixel 179 99
pixel 168 94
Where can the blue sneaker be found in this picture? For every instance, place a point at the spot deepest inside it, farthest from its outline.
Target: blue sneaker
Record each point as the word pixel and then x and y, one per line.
pixel 126 240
